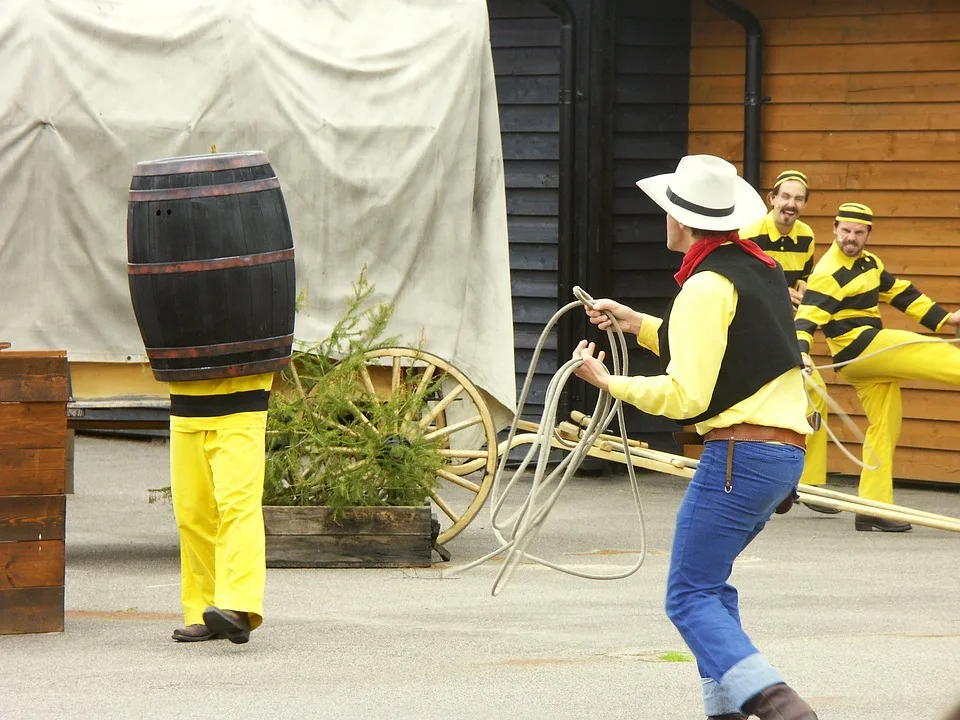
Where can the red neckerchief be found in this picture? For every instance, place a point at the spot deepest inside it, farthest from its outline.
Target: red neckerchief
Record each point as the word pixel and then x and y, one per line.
pixel 706 245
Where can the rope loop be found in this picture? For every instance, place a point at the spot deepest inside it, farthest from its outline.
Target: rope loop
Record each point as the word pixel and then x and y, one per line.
pixel 517 531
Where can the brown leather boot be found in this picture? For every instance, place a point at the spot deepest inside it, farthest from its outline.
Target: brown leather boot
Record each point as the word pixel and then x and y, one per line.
pixel 779 702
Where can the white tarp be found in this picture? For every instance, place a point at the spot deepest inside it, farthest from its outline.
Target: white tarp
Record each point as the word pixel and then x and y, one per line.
pixel 379 116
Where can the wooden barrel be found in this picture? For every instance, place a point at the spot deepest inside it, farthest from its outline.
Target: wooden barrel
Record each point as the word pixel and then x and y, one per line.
pixel 210 266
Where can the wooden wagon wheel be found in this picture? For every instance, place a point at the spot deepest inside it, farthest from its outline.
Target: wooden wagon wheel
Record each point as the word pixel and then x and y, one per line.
pixel 456 417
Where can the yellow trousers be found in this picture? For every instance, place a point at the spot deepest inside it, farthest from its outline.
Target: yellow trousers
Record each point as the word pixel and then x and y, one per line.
pixel 877 382
pixel 815 461
pixel 217 487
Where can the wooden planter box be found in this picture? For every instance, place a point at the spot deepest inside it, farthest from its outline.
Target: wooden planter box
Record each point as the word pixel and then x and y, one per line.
pixel 370 537
pixel 33 455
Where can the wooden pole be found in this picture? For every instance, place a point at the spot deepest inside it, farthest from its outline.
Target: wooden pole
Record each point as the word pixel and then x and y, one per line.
pixel 610 447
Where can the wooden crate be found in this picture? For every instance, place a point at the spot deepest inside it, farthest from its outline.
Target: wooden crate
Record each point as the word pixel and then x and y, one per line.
pixel 33 450
pixel 371 537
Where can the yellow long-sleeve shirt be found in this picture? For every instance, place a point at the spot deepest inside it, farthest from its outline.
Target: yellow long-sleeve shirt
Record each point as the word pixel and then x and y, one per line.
pixel 843 296
pixel 793 251
pixel 702 313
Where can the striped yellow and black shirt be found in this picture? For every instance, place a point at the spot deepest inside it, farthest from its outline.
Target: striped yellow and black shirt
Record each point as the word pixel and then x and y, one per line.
pixel 843 296
pixel 794 252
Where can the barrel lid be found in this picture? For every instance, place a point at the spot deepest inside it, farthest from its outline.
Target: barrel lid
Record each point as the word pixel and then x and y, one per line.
pixel 201 163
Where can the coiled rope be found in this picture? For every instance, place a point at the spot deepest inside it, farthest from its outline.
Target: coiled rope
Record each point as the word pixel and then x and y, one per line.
pixel 516 532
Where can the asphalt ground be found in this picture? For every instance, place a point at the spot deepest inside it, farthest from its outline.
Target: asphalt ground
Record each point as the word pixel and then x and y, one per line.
pixel 863 625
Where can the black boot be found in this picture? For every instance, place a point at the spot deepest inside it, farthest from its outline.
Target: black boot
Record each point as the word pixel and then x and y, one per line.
pixel 779 702
pixel 233 625
pixel 728 716
pixel 198 632
pixel 866 523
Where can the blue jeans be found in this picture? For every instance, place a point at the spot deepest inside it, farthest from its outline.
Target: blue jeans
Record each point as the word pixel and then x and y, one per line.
pixel 713 528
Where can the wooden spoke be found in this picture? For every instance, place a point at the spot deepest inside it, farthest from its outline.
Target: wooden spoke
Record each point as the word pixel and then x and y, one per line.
pixel 357 463
pixel 453 453
pixel 426 377
pixel 441 406
pixel 395 375
pixel 457 480
pixel 361 417
pixel 463 434
pixel 421 386
pixel 469 467
pixel 367 382
pixel 456 427
pixel 342 428
pixel 443 505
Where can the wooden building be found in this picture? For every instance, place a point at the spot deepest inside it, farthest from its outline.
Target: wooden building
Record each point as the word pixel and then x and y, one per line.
pixel 857 94
pixel 593 95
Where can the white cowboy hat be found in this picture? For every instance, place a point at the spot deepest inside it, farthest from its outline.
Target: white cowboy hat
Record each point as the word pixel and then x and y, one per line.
pixel 705 193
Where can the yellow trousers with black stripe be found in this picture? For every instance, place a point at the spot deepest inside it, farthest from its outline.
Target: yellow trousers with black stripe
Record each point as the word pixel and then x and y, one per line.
pixel 217 488
pixel 815 461
pixel 877 382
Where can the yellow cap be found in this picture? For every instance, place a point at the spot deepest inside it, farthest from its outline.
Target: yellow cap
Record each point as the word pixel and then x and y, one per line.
pixel 855 212
pixel 791 175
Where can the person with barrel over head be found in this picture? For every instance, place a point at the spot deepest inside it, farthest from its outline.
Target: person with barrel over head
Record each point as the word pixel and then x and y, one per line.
pixel 730 367
pixel 212 280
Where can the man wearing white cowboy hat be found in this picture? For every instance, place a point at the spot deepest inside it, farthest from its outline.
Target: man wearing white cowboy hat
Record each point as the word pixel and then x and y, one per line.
pixel 731 366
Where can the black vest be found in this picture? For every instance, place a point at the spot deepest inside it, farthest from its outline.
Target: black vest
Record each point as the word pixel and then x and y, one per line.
pixel 761 341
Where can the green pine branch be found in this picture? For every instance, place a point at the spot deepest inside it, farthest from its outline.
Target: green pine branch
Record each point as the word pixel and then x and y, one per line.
pixel 329 442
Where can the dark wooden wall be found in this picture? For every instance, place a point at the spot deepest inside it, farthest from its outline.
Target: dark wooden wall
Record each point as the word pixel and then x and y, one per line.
pixel 650 108
pixel 525 36
pixel 630 64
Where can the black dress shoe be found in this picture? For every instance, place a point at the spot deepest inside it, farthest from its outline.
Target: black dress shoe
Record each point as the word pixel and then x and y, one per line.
pixel 821 508
pixel 231 624
pixel 866 523
pixel 198 632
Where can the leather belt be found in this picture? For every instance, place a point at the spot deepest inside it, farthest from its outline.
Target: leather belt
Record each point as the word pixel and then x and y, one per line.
pixel 757 433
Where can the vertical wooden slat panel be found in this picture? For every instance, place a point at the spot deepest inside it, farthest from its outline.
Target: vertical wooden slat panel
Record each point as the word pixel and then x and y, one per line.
pixel 860 98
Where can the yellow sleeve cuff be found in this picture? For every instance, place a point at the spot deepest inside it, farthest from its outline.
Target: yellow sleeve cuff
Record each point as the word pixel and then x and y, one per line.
pixel 649 335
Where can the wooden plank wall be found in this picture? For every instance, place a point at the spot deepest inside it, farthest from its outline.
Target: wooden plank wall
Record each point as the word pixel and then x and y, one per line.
pixel 651 81
pixel 525 37
pixel 862 97
pixel 33 441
